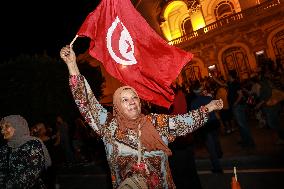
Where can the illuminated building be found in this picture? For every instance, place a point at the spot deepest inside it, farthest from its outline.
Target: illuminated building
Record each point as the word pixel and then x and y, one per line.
pixel 223 35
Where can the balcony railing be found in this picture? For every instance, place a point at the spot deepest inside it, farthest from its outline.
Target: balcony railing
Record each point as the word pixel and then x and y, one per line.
pixel 227 21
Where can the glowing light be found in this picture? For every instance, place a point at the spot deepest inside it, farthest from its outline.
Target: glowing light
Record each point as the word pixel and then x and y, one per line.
pixel 197 20
pixel 259 52
pixel 212 67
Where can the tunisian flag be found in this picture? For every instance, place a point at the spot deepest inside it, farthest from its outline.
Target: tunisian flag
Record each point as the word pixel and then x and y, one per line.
pixel 132 51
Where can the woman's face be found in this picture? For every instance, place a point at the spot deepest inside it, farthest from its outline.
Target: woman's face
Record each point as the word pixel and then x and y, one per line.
pixel 130 104
pixel 7 130
pixel 59 120
pixel 41 129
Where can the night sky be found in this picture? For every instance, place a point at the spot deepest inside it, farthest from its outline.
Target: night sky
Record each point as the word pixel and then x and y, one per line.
pixel 35 26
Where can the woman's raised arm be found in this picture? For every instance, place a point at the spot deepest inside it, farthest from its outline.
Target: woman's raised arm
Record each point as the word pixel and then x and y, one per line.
pixel 92 111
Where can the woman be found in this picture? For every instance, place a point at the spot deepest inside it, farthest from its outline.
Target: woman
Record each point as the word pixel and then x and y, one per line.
pixel 225 114
pixel 263 91
pixel 24 158
pixel 122 130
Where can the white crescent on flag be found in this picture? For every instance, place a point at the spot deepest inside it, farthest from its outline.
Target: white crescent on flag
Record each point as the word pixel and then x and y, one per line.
pixel 125 54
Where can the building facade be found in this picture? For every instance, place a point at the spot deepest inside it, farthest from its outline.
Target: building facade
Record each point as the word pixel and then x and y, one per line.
pixel 223 34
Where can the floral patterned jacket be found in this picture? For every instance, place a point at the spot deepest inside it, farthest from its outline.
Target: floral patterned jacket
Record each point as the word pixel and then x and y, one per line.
pixel 22 168
pixel 122 149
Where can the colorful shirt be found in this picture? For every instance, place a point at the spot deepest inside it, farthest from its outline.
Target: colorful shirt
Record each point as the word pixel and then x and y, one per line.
pixel 122 148
pixel 22 168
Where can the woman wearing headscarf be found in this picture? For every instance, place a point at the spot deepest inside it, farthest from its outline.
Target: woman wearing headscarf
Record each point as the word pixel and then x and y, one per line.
pixel 126 130
pixel 24 158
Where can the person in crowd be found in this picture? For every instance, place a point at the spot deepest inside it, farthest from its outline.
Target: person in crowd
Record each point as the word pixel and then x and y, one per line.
pixel 24 157
pixel 39 130
pixel 64 140
pixel 209 133
pixel 226 113
pixel 127 132
pixel 79 140
pixel 263 91
pixel 237 103
pixel 182 162
pixel 45 134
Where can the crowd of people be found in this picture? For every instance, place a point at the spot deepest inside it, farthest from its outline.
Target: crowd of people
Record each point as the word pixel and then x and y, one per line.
pixel 163 137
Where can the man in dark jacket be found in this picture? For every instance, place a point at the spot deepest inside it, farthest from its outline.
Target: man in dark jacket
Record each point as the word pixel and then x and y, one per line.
pixel 209 133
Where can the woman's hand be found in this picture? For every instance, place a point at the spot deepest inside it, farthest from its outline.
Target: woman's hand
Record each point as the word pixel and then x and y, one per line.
pixel 215 105
pixel 68 55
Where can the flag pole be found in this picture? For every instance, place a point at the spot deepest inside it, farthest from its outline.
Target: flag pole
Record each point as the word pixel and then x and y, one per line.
pixel 71 44
pixel 235 173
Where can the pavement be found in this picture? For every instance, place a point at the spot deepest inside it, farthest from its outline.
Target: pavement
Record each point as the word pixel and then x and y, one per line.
pixel 258 168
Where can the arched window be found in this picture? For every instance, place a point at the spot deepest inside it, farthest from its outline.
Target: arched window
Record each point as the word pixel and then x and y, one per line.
pixel 192 71
pixel 187 26
pixel 224 9
pixel 173 16
pixel 235 58
pixel 278 46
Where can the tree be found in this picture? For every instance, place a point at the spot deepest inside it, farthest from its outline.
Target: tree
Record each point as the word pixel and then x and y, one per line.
pixel 37 87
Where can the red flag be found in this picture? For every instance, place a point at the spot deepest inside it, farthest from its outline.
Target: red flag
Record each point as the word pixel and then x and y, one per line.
pixel 235 184
pixel 132 51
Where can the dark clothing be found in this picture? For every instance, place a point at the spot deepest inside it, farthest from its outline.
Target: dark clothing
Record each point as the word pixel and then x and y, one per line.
pixel 22 168
pixel 182 162
pixel 209 133
pixel 265 90
pixel 51 148
pixel 199 101
pixel 183 166
pixel 49 175
pixel 239 112
pixel 213 145
pixel 233 88
pixel 226 115
pixel 271 112
pixel 65 142
pixel 273 119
